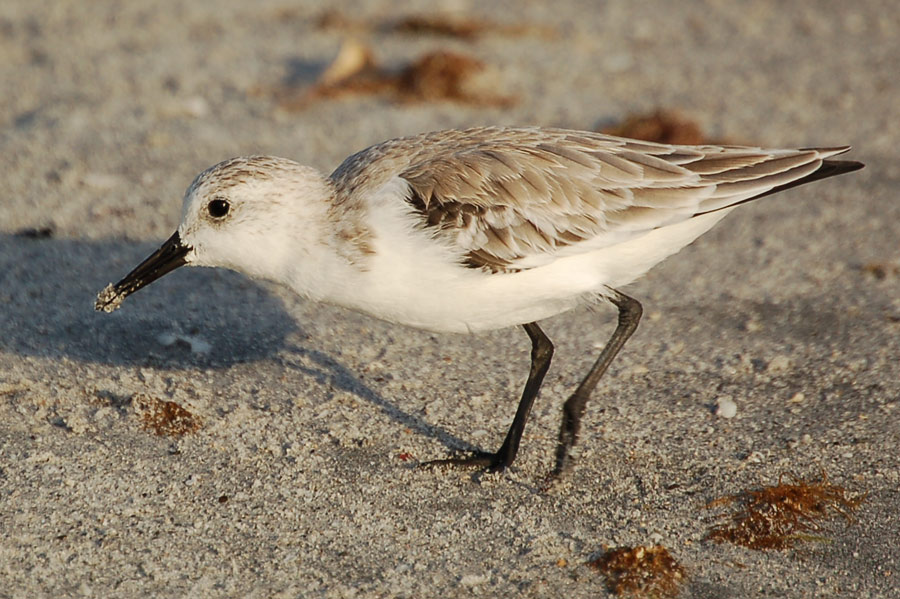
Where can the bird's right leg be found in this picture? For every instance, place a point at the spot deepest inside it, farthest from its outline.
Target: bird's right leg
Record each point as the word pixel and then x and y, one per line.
pixel 630 311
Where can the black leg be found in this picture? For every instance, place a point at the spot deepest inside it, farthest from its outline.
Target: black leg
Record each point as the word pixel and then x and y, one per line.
pixel 630 311
pixel 541 354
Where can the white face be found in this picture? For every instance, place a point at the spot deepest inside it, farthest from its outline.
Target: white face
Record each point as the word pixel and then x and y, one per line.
pixel 245 214
pixel 232 210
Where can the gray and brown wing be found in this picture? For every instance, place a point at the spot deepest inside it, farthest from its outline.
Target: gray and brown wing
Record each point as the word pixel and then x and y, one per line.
pixel 512 199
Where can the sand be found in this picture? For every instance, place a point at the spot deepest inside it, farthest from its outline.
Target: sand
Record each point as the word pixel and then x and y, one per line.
pixel 294 474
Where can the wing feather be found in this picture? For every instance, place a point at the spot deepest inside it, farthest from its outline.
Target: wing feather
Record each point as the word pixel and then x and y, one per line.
pixel 510 198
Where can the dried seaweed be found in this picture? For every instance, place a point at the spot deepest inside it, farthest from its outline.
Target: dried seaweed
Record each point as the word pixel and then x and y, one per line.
pixel 881 270
pixel 438 75
pixel 779 517
pixel 446 75
pixel 641 571
pixel 165 418
pixel 661 126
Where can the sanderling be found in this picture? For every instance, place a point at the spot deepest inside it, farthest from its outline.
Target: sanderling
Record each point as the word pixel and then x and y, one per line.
pixel 460 231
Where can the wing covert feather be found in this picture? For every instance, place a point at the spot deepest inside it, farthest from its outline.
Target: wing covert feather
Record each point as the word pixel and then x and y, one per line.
pixel 511 198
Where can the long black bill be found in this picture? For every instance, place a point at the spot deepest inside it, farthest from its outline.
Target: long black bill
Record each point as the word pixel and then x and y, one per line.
pixel 171 255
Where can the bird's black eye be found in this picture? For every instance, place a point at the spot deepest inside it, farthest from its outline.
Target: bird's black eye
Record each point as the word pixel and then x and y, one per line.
pixel 218 208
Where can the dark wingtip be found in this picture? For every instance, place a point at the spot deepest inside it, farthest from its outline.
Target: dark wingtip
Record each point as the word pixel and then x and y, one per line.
pixel 830 168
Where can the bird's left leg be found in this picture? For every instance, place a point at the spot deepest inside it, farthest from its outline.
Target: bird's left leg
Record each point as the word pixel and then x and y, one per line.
pixel 541 354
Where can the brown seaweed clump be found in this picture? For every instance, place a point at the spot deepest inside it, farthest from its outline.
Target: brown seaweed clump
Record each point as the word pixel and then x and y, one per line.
pixel 641 572
pixel 660 126
pixel 165 418
pixel 434 76
pixel 781 516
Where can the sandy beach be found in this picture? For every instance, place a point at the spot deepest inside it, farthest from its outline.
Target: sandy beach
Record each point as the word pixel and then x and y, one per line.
pixel 221 437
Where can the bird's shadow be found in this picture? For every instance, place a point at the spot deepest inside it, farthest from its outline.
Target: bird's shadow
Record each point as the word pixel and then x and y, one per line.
pixel 331 372
pixel 48 287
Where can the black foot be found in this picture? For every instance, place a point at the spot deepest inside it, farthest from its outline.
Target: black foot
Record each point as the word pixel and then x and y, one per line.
pixel 551 478
pixel 489 462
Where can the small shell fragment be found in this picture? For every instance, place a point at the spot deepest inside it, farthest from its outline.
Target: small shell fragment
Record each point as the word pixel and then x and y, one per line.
pixel 725 407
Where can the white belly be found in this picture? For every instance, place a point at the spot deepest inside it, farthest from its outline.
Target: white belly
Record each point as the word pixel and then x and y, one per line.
pixel 415 282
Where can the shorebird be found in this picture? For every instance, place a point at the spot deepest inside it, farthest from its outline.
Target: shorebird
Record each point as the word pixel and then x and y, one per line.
pixel 477 229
